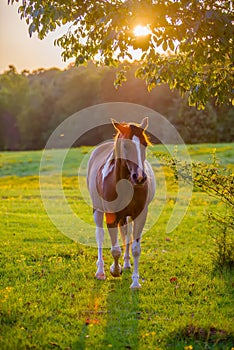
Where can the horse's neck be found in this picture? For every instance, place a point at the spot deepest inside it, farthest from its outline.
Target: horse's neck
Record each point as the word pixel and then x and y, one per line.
pixel 121 170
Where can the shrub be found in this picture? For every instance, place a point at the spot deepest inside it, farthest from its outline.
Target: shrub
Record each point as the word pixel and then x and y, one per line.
pixel 216 181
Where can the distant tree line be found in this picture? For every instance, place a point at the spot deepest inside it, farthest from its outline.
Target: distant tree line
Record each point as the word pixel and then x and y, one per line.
pixel 33 104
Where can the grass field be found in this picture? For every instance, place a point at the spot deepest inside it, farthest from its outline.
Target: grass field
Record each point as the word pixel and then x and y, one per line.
pixel 49 298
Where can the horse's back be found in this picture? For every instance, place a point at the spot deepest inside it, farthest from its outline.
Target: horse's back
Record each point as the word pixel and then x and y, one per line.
pixel 97 159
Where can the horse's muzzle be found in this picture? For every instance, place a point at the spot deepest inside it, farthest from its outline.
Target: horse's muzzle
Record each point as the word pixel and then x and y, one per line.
pixel 139 179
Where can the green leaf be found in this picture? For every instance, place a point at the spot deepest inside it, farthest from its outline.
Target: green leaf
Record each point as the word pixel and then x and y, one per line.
pixel 32 29
pixel 171 45
pixel 164 46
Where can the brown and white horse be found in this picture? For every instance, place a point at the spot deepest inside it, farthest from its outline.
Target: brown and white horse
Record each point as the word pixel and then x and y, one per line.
pixel 121 185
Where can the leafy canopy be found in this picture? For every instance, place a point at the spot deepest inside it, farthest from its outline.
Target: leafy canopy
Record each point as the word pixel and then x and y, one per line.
pixel 195 38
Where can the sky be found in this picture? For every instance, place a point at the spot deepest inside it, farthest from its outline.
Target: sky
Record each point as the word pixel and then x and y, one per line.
pixel 18 49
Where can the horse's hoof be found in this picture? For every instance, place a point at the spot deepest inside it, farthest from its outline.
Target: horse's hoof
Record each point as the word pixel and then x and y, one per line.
pixel 116 271
pixel 100 276
pixel 135 285
pixel 135 282
pixel 127 266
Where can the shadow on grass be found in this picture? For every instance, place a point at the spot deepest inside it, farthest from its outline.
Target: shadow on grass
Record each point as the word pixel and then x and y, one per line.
pixel 195 336
pixel 121 330
pixel 199 338
pixel 90 315
pixel 111 316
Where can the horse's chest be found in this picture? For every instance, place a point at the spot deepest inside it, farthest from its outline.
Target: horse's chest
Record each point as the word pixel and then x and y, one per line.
pixel 125 202
pixel 138 202
pixel 135 204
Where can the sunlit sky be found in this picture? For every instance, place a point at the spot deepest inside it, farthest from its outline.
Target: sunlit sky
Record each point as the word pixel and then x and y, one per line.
pixel 17 48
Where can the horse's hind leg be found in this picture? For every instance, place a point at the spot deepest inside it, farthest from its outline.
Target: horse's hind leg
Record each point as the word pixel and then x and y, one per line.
pixel 98 218
pixel 126 231
pixel 115 268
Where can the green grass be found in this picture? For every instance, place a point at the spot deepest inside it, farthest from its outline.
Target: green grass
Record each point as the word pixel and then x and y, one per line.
pixel 49 298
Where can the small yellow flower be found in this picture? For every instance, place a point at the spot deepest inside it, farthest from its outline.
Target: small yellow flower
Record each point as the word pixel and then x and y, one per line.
pixel 189 347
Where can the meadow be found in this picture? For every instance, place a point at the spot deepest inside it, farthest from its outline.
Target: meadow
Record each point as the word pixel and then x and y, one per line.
pixel 49 298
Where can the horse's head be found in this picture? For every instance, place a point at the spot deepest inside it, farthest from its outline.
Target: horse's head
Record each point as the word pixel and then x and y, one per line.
pixel 131 142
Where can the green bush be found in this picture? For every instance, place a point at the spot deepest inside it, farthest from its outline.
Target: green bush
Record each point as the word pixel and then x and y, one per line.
pixel 216 181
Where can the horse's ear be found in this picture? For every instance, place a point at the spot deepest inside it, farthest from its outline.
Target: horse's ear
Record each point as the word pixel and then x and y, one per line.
pixel 118 126
pixel 144 123
pixel 114 122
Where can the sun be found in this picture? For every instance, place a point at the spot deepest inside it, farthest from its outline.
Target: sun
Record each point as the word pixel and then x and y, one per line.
pixel 140 30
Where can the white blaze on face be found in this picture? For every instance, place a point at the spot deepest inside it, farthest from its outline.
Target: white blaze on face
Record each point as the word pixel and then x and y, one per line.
pixel 137 142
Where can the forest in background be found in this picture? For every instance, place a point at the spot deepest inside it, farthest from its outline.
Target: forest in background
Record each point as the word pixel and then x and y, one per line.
pixel 33 104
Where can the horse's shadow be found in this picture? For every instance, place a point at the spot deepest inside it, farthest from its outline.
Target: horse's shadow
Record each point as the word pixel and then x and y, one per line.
pixel 122 316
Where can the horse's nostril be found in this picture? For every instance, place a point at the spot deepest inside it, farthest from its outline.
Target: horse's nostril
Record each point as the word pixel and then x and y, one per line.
pixel 142 180
pixel 139 179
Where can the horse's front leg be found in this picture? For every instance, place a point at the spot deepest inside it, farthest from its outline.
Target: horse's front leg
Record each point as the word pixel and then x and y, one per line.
pixel 139 223
pixel 126 231
pixel 115 268
pixel 98 218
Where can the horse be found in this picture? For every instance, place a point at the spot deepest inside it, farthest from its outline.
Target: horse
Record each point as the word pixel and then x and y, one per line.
pixel 121 185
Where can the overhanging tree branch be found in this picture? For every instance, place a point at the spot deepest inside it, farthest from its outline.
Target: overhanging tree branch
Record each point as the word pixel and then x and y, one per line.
pixel 190 45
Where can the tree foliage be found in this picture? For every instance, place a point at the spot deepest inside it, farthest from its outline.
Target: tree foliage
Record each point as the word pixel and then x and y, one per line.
pixel 196 38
